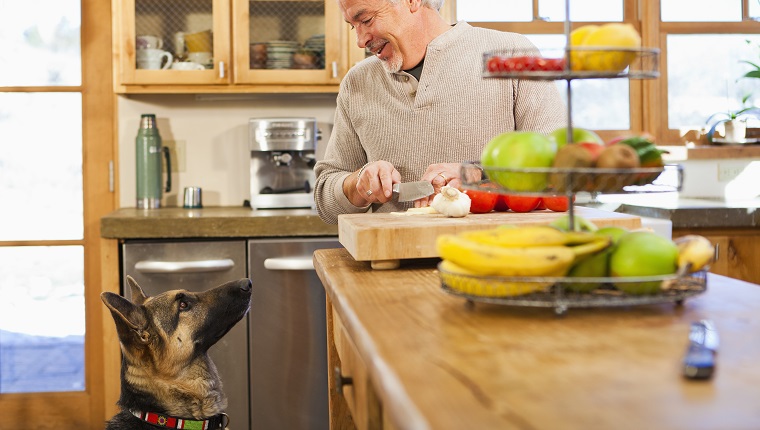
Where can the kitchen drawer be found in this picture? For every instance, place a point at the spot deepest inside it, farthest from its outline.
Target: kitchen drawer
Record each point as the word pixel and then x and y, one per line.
pixel 359 394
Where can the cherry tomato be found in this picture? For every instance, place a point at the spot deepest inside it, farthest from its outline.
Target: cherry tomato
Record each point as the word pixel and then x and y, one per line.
pixel 554 64
pixel 501 204
pixel 482 201
pixel 557 203
pixel 495 64
pixel 520 203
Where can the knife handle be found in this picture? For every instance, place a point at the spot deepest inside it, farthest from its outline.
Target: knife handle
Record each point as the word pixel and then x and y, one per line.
pixel 699 362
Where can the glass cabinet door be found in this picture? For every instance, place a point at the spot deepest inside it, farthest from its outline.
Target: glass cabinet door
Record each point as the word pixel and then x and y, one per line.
pixel 289 42
pixel 174 42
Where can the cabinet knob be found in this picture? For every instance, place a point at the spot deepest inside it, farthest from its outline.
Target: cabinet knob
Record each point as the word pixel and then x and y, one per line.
pixel 341 380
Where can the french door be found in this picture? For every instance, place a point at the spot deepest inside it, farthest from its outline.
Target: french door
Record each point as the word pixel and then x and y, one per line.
pixel 56 146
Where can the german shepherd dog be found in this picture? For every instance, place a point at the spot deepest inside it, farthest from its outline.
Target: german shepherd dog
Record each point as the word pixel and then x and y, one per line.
pixel 167 378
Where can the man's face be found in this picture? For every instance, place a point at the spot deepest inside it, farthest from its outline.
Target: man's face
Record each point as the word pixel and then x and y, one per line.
pixel 385 28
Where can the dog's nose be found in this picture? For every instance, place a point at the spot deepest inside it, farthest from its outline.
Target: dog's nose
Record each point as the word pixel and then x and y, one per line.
pixel 246 286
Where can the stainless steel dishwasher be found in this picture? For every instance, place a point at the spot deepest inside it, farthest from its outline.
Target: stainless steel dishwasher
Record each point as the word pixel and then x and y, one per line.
pixel 288 342
pixel 198 266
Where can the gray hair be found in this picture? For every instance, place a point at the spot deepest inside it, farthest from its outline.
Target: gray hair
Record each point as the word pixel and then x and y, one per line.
pixel 432 4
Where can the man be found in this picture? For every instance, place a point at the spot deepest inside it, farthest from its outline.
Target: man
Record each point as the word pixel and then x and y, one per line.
pixel 420 107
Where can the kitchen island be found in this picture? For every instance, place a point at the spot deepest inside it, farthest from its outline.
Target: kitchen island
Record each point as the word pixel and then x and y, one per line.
pixel 410 356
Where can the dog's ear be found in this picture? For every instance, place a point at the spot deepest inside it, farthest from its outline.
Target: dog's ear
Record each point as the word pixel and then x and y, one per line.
pixel 129 318
pixel 138 296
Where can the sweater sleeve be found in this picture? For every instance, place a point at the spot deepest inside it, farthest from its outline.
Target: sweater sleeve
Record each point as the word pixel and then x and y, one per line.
pixel 344 154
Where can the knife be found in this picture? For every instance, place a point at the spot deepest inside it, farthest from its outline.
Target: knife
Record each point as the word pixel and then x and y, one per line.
pixel 699 361
pixel 410 191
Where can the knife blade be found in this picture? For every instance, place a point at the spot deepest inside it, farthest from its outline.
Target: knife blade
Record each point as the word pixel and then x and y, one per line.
pixel 699 361
pixel 410 191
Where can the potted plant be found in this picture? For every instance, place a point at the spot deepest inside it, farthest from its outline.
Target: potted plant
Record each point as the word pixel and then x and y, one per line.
pixel 734 122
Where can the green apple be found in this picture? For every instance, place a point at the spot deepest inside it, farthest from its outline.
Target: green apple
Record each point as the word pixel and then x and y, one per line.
pixel 614 232
pixel 593 266
pixel 643 253
pixel 514 150
pixel 579 135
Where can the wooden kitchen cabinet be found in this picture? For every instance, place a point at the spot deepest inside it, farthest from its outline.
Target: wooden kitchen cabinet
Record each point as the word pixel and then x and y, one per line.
pixel 238 28
pixel 737 251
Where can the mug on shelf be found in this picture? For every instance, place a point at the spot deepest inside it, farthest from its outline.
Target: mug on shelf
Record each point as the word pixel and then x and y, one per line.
pixel 187 65
pixel 204 58
pixel 198 42
pixel 153 59
pixel 149 42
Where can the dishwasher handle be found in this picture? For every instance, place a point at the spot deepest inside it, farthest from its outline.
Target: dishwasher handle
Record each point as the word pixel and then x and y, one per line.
pixel 289 263
pixel 184 266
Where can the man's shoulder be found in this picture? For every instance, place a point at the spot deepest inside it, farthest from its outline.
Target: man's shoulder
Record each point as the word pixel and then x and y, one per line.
pixel 369 68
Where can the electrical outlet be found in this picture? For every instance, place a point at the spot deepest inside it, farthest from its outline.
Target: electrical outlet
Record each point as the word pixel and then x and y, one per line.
pixel 177 154
pixel 727 172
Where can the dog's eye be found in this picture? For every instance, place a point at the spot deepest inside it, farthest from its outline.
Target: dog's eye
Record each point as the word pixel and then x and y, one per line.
pixel 183 305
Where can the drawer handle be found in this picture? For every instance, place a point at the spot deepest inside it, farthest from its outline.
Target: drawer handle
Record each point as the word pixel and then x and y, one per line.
pixel 341 381
pixel 184 266
pixel 289 263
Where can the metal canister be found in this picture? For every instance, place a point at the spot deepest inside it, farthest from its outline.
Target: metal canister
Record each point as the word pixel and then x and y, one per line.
pixel 148 149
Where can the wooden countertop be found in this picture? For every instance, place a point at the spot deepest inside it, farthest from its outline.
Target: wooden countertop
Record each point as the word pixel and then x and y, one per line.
pixel 438 363
pixel 213 222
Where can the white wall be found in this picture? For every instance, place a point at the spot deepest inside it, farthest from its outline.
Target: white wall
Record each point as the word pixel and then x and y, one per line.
pixel 214 133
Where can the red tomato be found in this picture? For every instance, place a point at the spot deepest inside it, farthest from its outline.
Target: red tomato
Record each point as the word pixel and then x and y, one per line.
pixel 554 64
pixel 520 203
pixel 481 201
pixel 501 204
pixel 541 206
pixel 557 203
pixel 495 64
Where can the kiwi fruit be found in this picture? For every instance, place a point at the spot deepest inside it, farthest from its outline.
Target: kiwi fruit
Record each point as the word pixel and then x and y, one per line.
pixel 571 156
pixel 616 156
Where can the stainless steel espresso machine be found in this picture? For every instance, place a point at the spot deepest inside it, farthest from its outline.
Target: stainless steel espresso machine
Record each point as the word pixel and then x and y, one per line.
pixel 282 162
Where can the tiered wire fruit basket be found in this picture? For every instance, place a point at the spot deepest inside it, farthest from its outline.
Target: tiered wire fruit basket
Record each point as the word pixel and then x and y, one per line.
pixel 562 293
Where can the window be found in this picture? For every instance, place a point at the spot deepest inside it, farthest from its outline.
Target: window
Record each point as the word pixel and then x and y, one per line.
pixel 41 180
pixel 56 120
pixel 701 43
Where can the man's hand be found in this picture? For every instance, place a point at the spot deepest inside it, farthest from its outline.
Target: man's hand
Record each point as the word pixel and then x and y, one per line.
pixel 373 183
pixel 440 174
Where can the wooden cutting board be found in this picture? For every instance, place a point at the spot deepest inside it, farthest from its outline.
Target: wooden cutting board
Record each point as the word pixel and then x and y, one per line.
pixel 384 239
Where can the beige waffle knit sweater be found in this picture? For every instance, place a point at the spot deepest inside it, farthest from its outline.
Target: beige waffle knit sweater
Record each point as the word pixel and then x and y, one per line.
pixel 448 116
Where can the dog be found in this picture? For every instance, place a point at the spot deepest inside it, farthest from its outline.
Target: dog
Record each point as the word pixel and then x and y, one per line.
pixel 167 377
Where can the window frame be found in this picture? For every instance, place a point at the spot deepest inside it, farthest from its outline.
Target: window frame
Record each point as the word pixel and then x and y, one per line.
pixel 85 409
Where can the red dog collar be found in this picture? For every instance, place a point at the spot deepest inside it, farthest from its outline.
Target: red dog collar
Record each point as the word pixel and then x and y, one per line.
pixel 220 421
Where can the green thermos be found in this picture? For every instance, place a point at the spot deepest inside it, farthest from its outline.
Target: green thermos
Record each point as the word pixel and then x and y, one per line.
pixel 148 159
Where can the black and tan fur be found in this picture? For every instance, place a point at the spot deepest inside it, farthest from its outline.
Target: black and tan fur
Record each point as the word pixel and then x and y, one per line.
pixel 164 341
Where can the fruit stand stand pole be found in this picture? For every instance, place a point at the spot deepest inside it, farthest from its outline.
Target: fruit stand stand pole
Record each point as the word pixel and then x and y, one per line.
pixel 569 139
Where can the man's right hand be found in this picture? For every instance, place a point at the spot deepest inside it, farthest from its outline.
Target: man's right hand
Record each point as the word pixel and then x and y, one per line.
pixel 373 183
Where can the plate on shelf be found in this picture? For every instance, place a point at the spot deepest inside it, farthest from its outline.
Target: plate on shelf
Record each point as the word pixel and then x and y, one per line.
pixel 722 141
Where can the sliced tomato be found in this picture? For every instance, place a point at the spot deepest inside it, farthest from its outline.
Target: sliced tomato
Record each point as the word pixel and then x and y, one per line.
pixel 520 203
pixel 482 201
pixel 557 203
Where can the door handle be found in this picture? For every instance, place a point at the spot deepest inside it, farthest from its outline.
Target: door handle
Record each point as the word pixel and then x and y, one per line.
pixel 184 266
pixel 289 263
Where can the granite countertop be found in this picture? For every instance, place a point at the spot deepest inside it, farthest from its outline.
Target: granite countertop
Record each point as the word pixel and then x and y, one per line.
pixel 683 212
pixel 213 222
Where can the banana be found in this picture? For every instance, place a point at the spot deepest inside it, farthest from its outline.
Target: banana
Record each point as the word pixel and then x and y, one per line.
pixel 468 282
pixel 532 235
pixel 695 252
pixel 505 261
